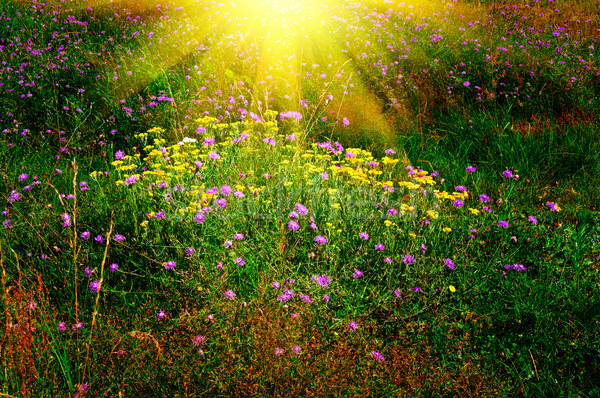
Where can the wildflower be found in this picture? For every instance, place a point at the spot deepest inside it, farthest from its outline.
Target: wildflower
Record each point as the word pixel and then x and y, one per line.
pixel 275 285
pixel 416 289
pixel 324 175
pixel 484 198
pixel 226 190
pixel 305 298
pixel 392 211
pixel 199 218
pixel 160 215
pixel 239 261
pixel 408 259
pixel 293 225
pixel 23 177
pixel 32 306
pixel 390 151
pixel 377 356
pixel 425 222
pixel 293 214
pixel 507 174
pixel 503 224
pixel 113 267
pixel 551 206
pixel 190 251
pixel 322 280
pixel 131 180
pixel 352 326
pixel 229 295
pixel 119 155
pixel 88 271
pixel 363 236
pixel 387 260
pixel 325 298
pixel 301 209
pixel 458 203
pixel 199 340
pixel 397 292
pixel 470 169
pixel 379 247
pixel 467 83
pixel 238 236
pixel 214 155
pixel 532 220
pixel 423 248
pixel 279 351
pixel 6 224
pixel 83 186
pixel 357 274
pixel 160 315
pixel 81 390
pixel 345 121
pixel 78 326
pixel 95 286
pixel 170 264
pixel 286 295
pixel 297 349
pixel 119 238
pixel 211 318
pixel 62 326
pixel 228 243
pixel 320 239
pixel 221 203
pixel 449 263
pixel 461 188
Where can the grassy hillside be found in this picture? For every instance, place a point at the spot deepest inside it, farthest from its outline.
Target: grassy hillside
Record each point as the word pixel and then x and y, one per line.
pixel 366 199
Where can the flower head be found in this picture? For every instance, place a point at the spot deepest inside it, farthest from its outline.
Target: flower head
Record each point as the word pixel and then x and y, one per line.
pixel 170 264
pixel 229 295
pixel 320 239
pixel 377 356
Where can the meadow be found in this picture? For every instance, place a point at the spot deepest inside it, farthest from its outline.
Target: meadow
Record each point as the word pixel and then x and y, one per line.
pixel 285 198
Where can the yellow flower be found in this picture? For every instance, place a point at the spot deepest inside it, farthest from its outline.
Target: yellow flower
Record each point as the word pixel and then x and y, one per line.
pixel 336 206
pixel 452 288
pixel 474 211
pixel 447 230
pixel 389 223
pixel 144 223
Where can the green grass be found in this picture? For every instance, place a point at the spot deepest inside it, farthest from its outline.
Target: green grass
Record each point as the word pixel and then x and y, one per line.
pixel 517 313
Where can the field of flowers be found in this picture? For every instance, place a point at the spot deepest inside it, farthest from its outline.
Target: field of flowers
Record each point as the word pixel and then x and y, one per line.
pixel 300 198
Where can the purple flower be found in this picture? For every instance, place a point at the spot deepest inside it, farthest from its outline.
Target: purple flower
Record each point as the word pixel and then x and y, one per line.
pixel 190 251
pixel 470 169
pixel 119 238
pixel 484 198
pixel 397 292
pixel 95 286
pixel 293 214
pixel 14 196
pixel 552 206
pixel 199 340
pixel 160 315
pixel 467 83
pixel 503 224
pixel 458 203
pixel 88 271
pixel 279 351
pixel 345 121
pixel 119 155
pixel 113 267
pixel 423 248
pixel 239 261
pixel 23 177
pixel 275 285
pixel 449 263
pixel 293 225
pixel 377 356
pixel 85 235
pixel 507 174
pixel 238 236
pixel 532 220
pixel 408 259
pixel 357 274
pixel 364 236
pixel 170 264
pixel 199 218
pixel 320 239
pixel 379 247
pixel 322 280
pixel 226 190
pixel 229 295
pixel 461 188
pixel 416 289
pixel 62 326
pixel 352 326
pixel 221 202
pixel 297 349
pixel 301 209
pixel 305 298
pixel 387 260
pixel 286 295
